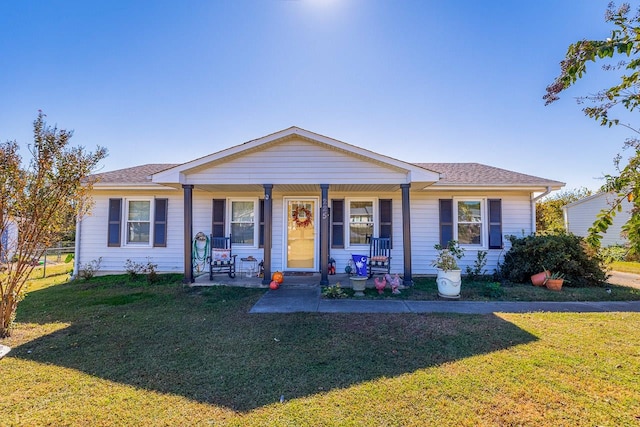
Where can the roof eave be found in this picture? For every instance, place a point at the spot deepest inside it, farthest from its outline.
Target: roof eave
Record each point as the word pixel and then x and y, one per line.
pixel 507 187
pixel 130 186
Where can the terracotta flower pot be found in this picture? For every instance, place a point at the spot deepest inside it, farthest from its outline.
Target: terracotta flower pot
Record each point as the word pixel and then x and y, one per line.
pixel 555 284
pixel 540 278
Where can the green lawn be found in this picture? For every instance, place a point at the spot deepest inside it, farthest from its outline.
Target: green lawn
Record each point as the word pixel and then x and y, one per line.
pixel 625 266
pixel 425 288
pixel 111 352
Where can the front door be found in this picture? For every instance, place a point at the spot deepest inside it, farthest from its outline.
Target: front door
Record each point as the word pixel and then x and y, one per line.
pixel 301 235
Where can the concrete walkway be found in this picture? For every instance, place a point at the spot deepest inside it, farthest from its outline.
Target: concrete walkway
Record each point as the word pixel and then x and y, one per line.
pixel 4 350
pixel 308 300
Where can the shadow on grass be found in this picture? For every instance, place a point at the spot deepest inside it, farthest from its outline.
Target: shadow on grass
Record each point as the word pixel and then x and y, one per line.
pixel 203 344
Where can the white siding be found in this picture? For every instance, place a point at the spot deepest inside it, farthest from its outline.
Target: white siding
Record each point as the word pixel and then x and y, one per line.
pixel 300 162
pixel 425 228
pixel 516 217
pixel 579 217
pixel 93 236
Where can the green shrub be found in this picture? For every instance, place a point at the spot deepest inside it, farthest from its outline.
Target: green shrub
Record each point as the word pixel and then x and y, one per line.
pixel 334 292
pixel 562 253
pixel 88 270
pixel 492 290
pixel 478 271
pixel 614 253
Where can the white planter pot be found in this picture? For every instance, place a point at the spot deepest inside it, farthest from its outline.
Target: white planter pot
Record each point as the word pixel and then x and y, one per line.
pixel 358 283
pixel 449 283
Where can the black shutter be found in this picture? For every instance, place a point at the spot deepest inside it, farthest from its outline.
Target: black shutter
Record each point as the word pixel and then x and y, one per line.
pixel 337 223
pixel 217 225
pixel 261 224
pixel 495 224
pixel 115 219
pixel 160 223
pixel 386 214
pixel 446 221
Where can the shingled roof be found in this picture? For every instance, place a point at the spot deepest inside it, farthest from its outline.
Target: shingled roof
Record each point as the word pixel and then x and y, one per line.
pixel 473 174
pixel 479 174
pixel 134 175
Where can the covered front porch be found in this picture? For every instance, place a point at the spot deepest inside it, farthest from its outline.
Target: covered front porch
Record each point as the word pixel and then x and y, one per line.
pixel 303 251
pixel 291 280
pixel 299 198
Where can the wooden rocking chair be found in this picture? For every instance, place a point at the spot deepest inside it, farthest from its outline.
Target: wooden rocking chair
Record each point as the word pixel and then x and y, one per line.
pixel 379 256
pixel 221 259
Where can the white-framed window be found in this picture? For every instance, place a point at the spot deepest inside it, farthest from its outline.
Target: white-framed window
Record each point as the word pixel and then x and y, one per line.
pixel 138 222
pixel 242 221
pixel 362 218
pixel 470 221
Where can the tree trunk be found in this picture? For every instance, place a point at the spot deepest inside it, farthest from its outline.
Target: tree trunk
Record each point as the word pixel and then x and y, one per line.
pixel 8 307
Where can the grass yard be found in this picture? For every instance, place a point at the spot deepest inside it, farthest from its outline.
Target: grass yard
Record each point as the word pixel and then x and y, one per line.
pixel 112 352
pixel 626 266
pixel 425 288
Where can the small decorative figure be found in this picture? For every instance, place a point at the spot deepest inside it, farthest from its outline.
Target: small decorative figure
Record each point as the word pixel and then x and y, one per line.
pixel 395 283
pixel 332 266
pixel 380 284
pixel 349 267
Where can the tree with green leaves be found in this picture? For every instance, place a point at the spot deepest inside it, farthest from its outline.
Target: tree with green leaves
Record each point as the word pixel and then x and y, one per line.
pixel 549 215
pixel 607 106
pixel 37 199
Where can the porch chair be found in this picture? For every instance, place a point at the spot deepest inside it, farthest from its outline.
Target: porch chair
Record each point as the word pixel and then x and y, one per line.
pixel 221 259
pixel 379 255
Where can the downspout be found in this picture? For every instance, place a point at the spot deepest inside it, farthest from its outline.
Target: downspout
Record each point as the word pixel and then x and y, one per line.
pixel 533 208
pixel 76 255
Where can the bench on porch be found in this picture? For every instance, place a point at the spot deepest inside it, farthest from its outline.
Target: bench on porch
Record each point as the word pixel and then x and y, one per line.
pixel 379 255
pixel 221 259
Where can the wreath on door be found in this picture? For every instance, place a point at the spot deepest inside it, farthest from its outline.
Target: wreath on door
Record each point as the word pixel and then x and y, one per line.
pixel 305 220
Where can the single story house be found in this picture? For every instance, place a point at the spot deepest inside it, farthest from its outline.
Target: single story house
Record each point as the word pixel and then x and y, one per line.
pixel 580 215
pixel 294 199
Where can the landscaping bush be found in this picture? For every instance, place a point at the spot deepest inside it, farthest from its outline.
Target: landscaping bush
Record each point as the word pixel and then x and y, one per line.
pixel 562 253
pixel 614 253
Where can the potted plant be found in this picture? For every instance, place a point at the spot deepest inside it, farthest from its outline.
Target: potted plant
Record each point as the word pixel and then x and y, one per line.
pixel 449 274
pixel 555 281
pixel 539 279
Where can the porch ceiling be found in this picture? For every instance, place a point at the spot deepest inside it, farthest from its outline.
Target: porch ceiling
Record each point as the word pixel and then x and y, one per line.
pixel 298 188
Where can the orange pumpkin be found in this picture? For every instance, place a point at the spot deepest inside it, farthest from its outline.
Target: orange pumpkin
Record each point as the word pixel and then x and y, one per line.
pixel 278 277
pixel 274 285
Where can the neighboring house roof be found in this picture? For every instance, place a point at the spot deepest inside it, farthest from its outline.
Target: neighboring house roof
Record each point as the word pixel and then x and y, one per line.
pixel 479 174
pixel 607 196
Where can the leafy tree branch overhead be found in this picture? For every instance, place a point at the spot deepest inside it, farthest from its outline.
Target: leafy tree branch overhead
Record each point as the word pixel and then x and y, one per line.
pixel 622 43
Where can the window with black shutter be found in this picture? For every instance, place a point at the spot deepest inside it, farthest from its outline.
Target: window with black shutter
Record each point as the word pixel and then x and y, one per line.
pixel 217 226
pixel 446 221
pixel 495 224
pixel 337 223
pixel 261 224
pixel 160 223
pixel 386 214
pixel 115 220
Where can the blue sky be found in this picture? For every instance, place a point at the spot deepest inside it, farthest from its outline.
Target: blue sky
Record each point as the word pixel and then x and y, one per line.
pixel 418 80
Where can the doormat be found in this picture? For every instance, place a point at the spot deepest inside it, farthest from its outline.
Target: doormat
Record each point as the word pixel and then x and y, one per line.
pixel 298 273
